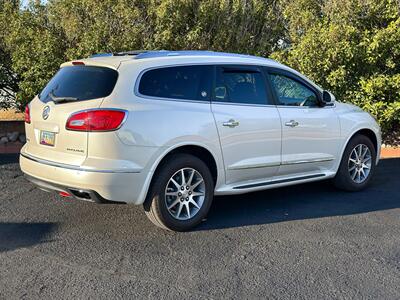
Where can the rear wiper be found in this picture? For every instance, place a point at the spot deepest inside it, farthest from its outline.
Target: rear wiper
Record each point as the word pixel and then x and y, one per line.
pixel 56 99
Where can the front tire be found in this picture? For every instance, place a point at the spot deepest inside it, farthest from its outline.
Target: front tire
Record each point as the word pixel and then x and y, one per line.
pixel 357 165
pixel 181 193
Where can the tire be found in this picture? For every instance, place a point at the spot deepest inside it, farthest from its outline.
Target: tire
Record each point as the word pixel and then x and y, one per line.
pixel 184 215
pixel 345 178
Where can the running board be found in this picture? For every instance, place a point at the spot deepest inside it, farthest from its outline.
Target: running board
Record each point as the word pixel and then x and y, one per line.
pixel 253 185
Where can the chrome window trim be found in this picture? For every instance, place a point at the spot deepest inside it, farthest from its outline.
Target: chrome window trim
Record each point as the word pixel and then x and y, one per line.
pixel 75 167
pixel 139 77
pixel 172 99
pixel 306 107
pixel 243 104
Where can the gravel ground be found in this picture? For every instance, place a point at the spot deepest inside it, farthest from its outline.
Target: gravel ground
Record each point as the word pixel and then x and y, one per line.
pixel 305 242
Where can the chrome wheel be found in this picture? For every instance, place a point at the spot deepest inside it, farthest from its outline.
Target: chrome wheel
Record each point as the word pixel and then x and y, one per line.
pixel 185 193
pixel 360 162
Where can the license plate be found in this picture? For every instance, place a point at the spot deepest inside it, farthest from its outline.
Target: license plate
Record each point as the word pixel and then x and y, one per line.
pixel 47 138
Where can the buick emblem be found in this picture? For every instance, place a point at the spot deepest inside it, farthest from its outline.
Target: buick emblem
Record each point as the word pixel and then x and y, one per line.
pixel 46 112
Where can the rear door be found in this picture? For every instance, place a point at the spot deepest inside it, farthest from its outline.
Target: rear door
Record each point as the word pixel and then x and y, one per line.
pixel 72 89
pixel 248 124
pixel 310 132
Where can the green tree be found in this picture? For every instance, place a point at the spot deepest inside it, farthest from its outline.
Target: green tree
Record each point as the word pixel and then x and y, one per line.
pixel 89 26
pixel 252 27
pixel 41 37
pixel 36 49
pixel 8 78
pixel 350 47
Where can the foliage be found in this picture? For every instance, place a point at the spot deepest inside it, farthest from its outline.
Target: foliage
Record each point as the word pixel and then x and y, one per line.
pixel 35 49
pixel 351 47
pixel 225 25
pixel 8 78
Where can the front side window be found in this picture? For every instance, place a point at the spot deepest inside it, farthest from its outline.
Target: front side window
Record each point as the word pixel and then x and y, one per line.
pixel 291 92
pixel 183 82
pixel 240 85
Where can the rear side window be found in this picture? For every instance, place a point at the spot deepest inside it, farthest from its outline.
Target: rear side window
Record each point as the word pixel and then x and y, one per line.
pixel 81 82
pixel 240 85
pixel 183 82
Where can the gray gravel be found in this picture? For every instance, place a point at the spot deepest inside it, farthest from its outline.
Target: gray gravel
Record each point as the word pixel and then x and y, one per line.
pixel 305 242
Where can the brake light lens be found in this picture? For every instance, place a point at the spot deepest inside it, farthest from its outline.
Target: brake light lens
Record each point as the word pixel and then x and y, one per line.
pixel 78 63
pixel 27 114
pixel 96 120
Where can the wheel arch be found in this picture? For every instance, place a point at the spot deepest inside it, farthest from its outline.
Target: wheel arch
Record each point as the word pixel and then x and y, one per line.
pixel 368 132
pixel 199 151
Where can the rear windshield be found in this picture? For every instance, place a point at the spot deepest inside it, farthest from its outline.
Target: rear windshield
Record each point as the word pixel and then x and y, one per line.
pixel 81 82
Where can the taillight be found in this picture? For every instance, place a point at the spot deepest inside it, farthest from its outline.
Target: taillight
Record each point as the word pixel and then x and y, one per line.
pixel 27 114
pixel 96 120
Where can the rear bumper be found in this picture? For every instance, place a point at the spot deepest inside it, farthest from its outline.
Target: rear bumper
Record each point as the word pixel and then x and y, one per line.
pixel 94 186
pixel 85 195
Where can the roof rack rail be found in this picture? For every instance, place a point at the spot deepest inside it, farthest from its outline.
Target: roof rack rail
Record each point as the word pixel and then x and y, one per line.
pixel 131 52
pixel 166 53
pixel 122 53
pixel 142 54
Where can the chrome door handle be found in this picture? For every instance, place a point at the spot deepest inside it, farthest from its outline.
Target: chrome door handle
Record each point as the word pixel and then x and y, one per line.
pixel 231 123
pixel 292 123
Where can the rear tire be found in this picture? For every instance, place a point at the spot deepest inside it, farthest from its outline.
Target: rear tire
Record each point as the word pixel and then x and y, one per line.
pixel 357 165
pixel 181 193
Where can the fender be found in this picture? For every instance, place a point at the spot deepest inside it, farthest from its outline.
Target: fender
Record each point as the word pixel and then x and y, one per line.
pixel 164 151
pixel 350 136
pixel 352 120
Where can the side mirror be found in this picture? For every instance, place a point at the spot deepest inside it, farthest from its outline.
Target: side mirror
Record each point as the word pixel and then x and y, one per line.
pixel 327 98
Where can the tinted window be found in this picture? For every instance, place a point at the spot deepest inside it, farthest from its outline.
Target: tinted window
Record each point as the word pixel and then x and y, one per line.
pixel 82 82
pixel 238 85
pixel 293 93
pixel 186 82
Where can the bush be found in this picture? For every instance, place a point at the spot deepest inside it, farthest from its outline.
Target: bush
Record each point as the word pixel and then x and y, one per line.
pixel 350 47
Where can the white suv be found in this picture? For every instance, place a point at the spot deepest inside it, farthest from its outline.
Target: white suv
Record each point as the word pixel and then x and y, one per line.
pixel 169 129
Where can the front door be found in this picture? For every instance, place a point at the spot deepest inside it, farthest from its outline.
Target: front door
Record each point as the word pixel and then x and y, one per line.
pixel 310 132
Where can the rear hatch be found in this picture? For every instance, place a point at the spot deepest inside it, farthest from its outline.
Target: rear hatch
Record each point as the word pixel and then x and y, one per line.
pixel 74 88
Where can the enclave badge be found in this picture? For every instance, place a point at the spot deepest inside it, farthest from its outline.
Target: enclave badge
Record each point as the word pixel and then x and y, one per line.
pixel 46 112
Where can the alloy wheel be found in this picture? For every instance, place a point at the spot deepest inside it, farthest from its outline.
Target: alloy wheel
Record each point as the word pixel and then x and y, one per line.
pixel 360 163
pixel 185 193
